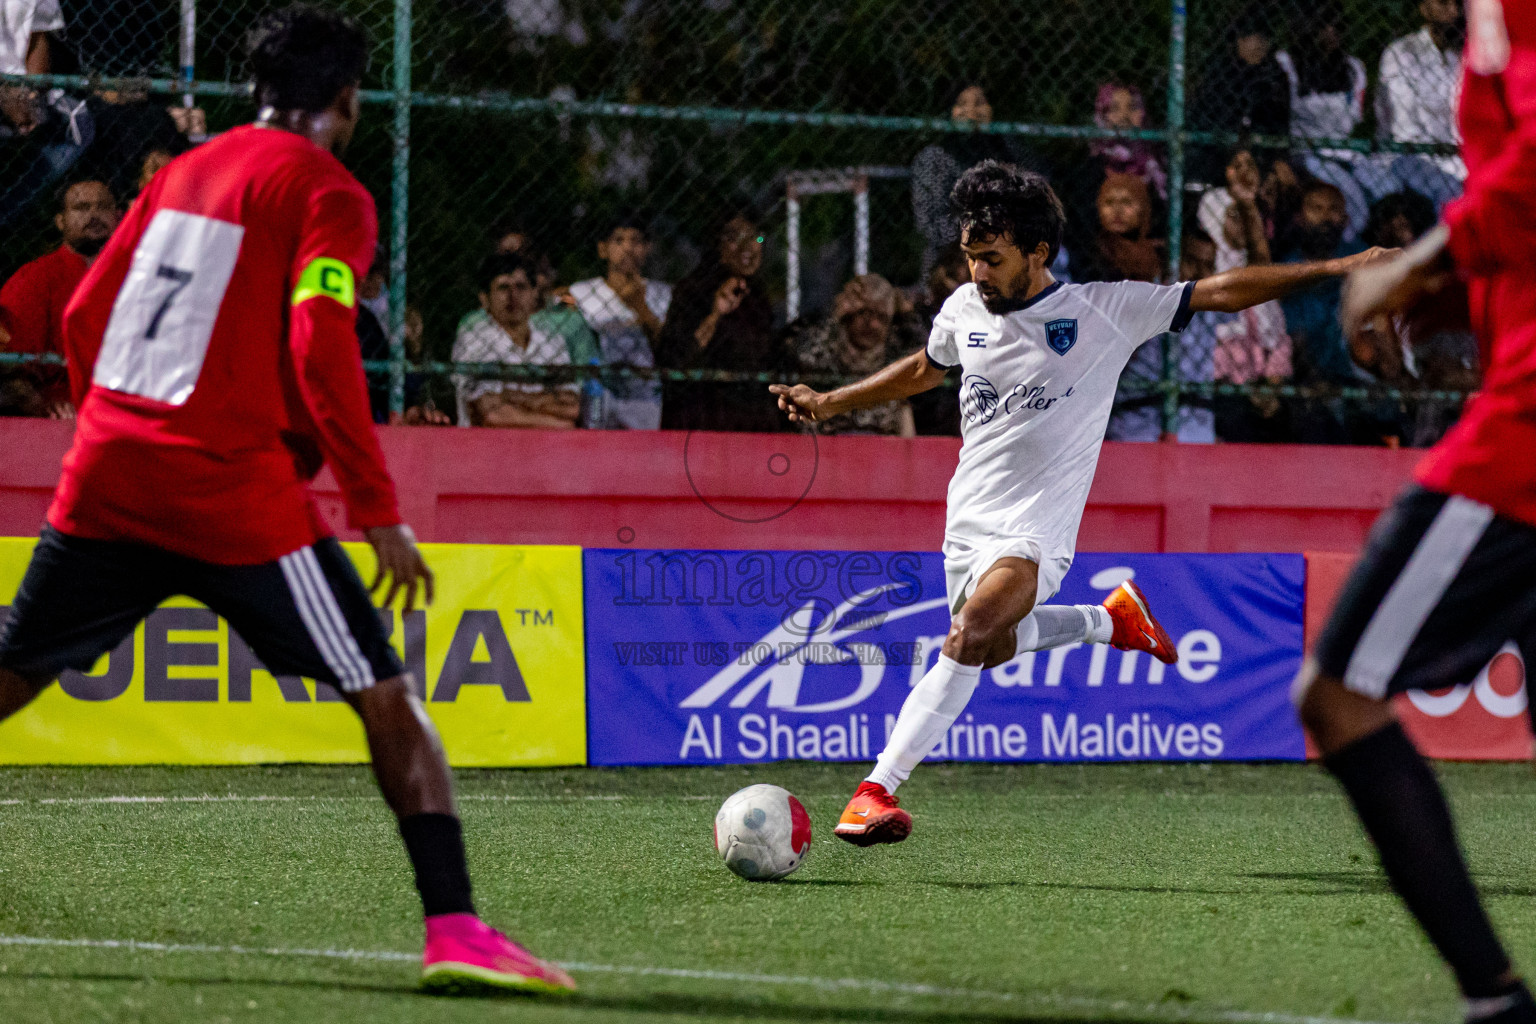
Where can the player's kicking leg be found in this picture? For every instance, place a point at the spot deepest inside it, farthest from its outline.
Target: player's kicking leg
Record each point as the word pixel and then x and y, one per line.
pixel 997 622
pixel 1443 584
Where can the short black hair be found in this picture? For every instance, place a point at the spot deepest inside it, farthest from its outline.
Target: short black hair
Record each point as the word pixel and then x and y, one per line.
pixel 61 192
pixel 302 57
pixel 500 264
pixel 998 200
pixel 631 219
pixel 1417 208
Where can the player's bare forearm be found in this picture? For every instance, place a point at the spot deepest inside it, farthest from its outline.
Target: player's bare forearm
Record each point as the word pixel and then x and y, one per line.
pixel 1235 290
pixel 908 376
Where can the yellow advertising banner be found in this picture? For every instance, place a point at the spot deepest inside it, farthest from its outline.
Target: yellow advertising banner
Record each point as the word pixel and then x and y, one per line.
pixel 498 660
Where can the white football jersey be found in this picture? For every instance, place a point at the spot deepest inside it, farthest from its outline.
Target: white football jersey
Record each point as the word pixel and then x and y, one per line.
pixel 1036 389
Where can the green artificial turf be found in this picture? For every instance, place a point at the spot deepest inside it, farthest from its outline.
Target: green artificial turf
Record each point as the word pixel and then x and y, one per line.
pixel 1126 892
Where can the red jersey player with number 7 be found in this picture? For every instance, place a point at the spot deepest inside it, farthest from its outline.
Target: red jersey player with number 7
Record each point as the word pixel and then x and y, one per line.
pixel 213 357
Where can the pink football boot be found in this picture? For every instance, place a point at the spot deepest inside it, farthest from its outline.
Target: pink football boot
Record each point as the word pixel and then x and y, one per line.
pixel 465 952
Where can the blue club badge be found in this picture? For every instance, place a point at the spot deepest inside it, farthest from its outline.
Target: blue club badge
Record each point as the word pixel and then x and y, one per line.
pixel 1061 335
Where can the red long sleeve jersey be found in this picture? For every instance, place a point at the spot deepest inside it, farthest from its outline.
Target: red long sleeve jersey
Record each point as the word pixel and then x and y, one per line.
pixel 214 359
pixel 1490 455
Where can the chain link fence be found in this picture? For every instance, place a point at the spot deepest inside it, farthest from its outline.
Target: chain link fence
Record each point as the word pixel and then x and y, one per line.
pixel 799 144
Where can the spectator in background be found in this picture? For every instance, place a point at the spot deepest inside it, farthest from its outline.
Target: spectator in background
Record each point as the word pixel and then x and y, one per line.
pixel 1312 315
pixel 374 342
pixel 626 311
pixel 1119 107
pixel 938 411
pixel 937 167
pixel 1242 89
pixel 1416 100
pixel 510 298
pixel 1122 249
pixel 373 289
pixel 1138 415
pixel 154 161
pixel 721 319
pixel 42 137
pixel 1238 219
pixel 867 330
pixel 32 302
pixel 1328 102
pixel 1398 219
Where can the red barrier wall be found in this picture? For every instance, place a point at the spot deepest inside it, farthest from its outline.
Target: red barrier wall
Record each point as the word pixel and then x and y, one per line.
pixel 603 489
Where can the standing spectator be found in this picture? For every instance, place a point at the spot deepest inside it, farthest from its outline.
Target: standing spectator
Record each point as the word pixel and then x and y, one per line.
pixel 43 138
pixel 721 319
pixel 866 331
pixel 1243 89
pixel 1122 249
pixel 1416 100
pixel 506 335
pixel 1119 107
pixel 32 302
pixel 937 167
pixel 1328 102
pixel 626 311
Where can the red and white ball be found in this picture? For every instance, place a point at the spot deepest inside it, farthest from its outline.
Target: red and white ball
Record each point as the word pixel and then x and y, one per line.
pixel 762 833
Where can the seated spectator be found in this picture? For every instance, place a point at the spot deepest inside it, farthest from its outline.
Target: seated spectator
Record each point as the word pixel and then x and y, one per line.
pixel 1328 102
pixel 42 137
pixel 1242 89
pixel 1120 107
pixel 1398 219
pixel 1139 412
pixel 1238 219
pixel 937 167
pixel 721 319
pixel 1312 314
pixel 938 411
pixel 374 342
pixel 509 297
pixel 866 331
pixel 1416 100
pixel 1122 249
pixel 32 302
pixel 626 311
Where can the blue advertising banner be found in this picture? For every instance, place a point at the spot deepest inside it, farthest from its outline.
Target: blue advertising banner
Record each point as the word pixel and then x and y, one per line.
pixel 735 657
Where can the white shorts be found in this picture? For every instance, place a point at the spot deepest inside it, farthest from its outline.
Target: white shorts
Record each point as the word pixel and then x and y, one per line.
pixel 966 561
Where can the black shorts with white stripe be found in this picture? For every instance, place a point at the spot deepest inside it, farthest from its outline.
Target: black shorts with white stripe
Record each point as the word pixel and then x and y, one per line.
pixel 1443 584
pixel 306 614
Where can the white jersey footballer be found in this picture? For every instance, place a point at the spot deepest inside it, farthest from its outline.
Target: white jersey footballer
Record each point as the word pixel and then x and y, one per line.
pixel 1036 389
pixel 1037 362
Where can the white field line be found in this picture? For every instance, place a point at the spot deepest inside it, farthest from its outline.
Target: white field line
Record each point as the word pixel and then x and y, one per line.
pixel 691 974
pixel 235 798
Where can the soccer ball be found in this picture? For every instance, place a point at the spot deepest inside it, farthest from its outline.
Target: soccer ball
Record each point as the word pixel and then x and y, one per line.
pixel 762 833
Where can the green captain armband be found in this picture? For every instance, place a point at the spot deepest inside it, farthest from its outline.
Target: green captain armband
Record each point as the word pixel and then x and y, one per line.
pixel 330 278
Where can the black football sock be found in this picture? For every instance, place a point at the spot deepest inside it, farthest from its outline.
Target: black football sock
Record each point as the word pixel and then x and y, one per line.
pixel 1404 812
pixel 435 843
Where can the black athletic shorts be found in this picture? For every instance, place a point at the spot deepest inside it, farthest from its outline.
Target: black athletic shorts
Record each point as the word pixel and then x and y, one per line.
pixel 306 614
pixel 1443 584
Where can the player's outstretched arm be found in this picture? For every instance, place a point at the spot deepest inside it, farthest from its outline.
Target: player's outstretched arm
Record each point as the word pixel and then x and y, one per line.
pixel 1235 290
pixel 908 376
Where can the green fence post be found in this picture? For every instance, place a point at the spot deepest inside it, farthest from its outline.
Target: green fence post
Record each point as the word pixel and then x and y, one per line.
pixel 1176 41
pixel 399 206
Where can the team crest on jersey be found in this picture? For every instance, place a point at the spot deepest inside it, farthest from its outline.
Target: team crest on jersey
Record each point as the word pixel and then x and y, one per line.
pixel 978 398
pixel 1061 335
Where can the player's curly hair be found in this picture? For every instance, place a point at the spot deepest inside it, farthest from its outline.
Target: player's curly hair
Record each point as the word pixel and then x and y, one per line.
pixel 303 56
pixel 998 200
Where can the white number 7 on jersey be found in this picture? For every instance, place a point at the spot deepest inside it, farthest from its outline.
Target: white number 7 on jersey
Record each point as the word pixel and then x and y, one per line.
pixel 172 308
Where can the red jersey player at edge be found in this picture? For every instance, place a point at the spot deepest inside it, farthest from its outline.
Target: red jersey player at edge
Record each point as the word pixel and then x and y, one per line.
pixel 1446 579
pixel 214 359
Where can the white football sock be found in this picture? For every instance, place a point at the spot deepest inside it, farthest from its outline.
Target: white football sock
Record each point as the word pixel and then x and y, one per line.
pixel 1052 625
pixel 930 709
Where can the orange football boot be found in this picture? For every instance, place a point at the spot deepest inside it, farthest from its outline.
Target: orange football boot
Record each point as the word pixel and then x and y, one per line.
pixel 873 816
pixel 1136 628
